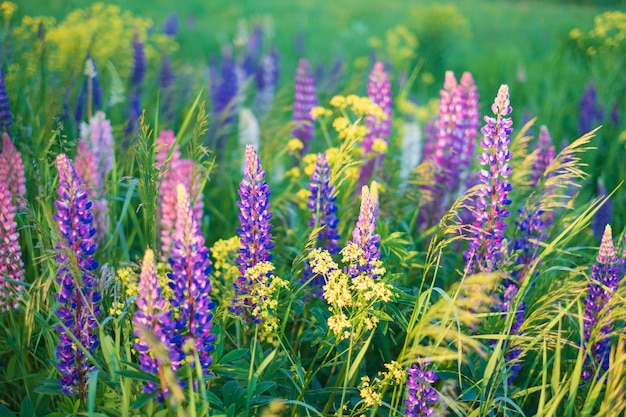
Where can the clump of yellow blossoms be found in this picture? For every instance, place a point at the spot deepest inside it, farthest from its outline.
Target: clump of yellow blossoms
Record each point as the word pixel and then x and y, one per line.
pixel 607 36
pixel 225 269
pixel 264 295
pixel 129 280
pixel 352 302
pixel 371 391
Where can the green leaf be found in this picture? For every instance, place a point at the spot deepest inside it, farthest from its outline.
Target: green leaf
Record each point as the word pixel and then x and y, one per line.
pixel 230 392
pixel 264 386
pixel 5 412
pixel 27 409
pixel 92 388
pixel 233 355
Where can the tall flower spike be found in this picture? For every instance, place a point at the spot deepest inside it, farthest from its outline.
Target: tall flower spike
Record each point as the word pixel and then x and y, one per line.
pixel 321 202
pixel 87 170
pixel 602 285
pixel 98 135
pixel 486 245
pixel 545 155
pixel 136 84
pixel 151 316
pixel 11 264
pixel 364 238
pixel 305 99
pixel 12 172
pixel 190 282
pixel 176 171
pixel 591 111
pixel 224 97
pixel 469 122
pixel 170 27
pixel 6 119
pixel 379 91
pixel 90 95
pixel 266 80
pixel 421 396
pixel 255 227
pixel 78 297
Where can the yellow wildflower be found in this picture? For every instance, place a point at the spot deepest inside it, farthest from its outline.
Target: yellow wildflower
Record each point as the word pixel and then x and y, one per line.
pixel 309 161
pixel 8 8
pixel 380 146
pixel 294 172
pixel 319 111
pixel 294 145
pixel 396 372
pixel 337 290
pixel 303 196
pixel 338 101
pixel 340 124
pixel 321 262
pixel 338 323
pixel 369 395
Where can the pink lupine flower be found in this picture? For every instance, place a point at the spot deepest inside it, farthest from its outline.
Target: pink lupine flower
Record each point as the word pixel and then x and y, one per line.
pixel 98 135
pixel 11 264
pixel 12 172
pixel 174 171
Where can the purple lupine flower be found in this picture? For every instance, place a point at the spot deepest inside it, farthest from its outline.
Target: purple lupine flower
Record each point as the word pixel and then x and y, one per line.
pixel 321 202
pixel 98 135
pixel 78 297
pixel 305 99
pixel 253 51
pixel 224 96
pixel 166 73
pixel 379 91
pixel 90 90
pixel 421 396
pixel 166 83
pixel 266 81
pixel 602 285
pixel 12 172
pixel 469 121
pixel 11 264
pixel 255 227
pixel 6 119
pixel 152 316
pixel 430 139
pixel 485 247
pixel 190 282
pixel 603 215
pixel 545 156
pixel 591 111
pixel 364 236
pixel 170 26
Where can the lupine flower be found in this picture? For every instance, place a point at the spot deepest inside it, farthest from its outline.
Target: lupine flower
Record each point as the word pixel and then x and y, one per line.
pixel 90 95
pixel 190 282
pixel 321 202
pixel 254 45
pixel 485 247
pixel 78 297
pixel 152 316
pixel 430 139
pixel 591 111
pixel 136 84
pixel 602 285
pixel 176 171
pixel 6 119
pixel 11 264
pixel 12 172
pixel 421 396
pixel 224 96
pixel 379 91
pixel 456 128
pixel 166 81
pixel 305 99
pixel 87 170
pixel 545 156
pixel 170 27
pixel 365 241
pixel 98 135
pixel 603 215
pixel 255 227
pixel 266 81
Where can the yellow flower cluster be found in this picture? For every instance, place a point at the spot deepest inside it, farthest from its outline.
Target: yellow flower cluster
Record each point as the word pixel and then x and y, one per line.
pixel 129 280
pixel 319 111
pixel 369 394
pixel 264 294
pixel 358 296
pixel 361 106
pixel 8 8
pixel 370 391
pixel 607 35
pixel 294 145
pixel 399 47
pixel 224 253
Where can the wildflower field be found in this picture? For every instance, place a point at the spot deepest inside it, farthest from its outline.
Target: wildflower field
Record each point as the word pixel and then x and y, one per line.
pixel 312 208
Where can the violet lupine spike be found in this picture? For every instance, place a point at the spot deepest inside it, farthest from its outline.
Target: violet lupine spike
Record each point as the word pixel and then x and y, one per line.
pixel 602 285
pixel 255 228
pixel 379 92
pixel 253 51
pixel 545 155
pixel 12 172
pixel 603 215
pixel 591 111
pixel 485 246
pixel 421 396
pixel 87 169
pixel 11 264
pixel 170 26
pixel 78 297
pixel 135 85
pixel 190 282
pixel 6 119
pixel 266 81
pixel 305 98
pixel 152 316
pixel 321 202
pixel 364 236
pixel 224 96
